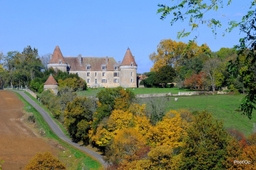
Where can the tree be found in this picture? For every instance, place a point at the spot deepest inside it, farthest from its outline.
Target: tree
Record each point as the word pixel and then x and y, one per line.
pixel 173 53
pixel 205 143
pixel 165 74
pixel 125 146
pixel 110 99
pixel 78 118
pixel 170 131
pixel 195 12
pixel 150 81
pixel 44 161
pixel 213 72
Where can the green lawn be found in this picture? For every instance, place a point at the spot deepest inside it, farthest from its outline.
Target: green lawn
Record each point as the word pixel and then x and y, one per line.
pixel 222 107
pixel 93 92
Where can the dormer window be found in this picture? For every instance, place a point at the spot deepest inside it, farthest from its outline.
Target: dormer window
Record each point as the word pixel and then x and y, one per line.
pixel 88 67
pixel 131 63
pixel 103 67
pixel 116 67
pixel 60 62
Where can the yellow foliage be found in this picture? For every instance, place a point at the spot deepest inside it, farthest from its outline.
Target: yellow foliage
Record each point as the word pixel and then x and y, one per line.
pixel 107 130
pixel 44 161
pixel 137 109
pixel 169 131
pixel 125 145
pixel 171 52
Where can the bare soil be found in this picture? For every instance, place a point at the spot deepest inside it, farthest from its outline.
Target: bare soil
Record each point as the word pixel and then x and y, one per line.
pixel 18 142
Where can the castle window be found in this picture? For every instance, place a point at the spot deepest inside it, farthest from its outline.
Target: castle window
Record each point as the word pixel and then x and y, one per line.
pixel 103 74
pixel 131 73
pixel 88 74
pixel 131 80
pixel 104 81
pixel 103 67
pixel 95 74
pixel 88 81
pixel 116 74
pixel 96 81
pixel 116 80
pixel 88 67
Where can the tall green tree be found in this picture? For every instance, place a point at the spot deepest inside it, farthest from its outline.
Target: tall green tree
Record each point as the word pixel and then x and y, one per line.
pixel 205 143
pixel 78 117
pixel 165 74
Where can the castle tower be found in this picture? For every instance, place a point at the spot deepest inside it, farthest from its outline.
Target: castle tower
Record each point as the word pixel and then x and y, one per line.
pixel 51 84
pixel 128 70
pixel 57 61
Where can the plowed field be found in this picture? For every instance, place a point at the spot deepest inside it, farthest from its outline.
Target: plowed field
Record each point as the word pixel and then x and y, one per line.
pixel 18 143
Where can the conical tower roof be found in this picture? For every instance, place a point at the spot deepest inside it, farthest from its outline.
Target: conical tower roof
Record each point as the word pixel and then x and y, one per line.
pixel 128 59
pixel 57 56
pixel 50 81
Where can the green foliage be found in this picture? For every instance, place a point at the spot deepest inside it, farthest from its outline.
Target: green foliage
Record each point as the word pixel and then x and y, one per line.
pixel 77 84
pixel 165 74
pixel 1 163
pixel 195 12
pixel 150 81
pixel 22 67
pixel 205 144
pixel 110 99
pixel 78 117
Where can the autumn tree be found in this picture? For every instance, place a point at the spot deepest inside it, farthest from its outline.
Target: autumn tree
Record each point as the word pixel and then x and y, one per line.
pixel 196 81
pixel 125 146
pixel 110 99
pixel 195 13
pixel 212 70
pixel 44 161
pixel 205 143
pixel 170 131
pixel 78 118
pixel 173 53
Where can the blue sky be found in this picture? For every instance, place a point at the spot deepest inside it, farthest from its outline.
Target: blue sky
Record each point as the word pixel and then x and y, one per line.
pixel 101 28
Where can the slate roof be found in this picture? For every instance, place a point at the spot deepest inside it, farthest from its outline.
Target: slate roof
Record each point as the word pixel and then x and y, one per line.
pixel 96 63
pixel 51 81
pixel 128 59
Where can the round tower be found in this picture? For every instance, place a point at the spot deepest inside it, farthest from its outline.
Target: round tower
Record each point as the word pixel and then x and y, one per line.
pixel 128 70
pixel 57 61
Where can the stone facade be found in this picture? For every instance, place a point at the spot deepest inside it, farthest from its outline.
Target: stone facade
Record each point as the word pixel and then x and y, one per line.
pixel 98 72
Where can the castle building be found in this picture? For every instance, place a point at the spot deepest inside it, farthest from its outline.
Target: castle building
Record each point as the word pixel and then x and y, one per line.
pixel 98 72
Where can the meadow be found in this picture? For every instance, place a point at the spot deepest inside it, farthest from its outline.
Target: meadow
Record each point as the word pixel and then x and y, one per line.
pixel 222 107
pixel 93 92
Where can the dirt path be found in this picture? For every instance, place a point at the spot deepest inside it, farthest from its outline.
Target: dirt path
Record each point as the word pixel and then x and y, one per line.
pixel 18 144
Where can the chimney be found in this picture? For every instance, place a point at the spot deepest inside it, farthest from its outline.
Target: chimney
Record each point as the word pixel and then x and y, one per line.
pixel 80 59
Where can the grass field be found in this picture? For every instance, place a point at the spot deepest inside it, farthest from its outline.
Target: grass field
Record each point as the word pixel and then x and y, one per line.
pixel 93 92
pixel 222 107
pixel 78 160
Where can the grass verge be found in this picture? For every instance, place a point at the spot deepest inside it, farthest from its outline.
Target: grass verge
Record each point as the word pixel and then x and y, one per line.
pixel 72 157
